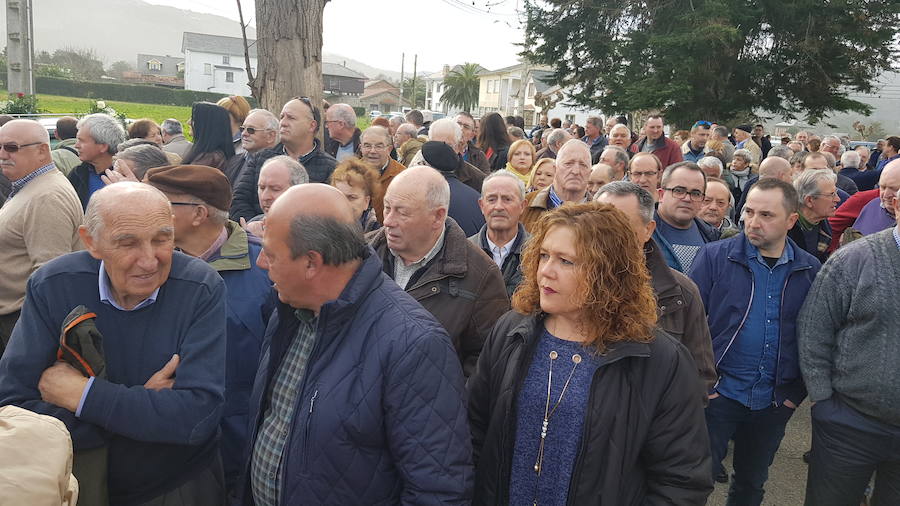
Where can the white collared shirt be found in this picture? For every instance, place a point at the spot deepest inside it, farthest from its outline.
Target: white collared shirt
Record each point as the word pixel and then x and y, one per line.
pixel 500 252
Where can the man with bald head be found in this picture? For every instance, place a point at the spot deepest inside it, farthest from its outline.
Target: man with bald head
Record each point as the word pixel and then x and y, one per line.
pixel 358 397
pixel 570 183
pixel 151 416
pixel 40 218
pixel 428 255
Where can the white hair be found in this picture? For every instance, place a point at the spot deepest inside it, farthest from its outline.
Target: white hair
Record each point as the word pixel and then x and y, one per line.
pixel 850 159
pixel 106 197
pixel 711 162
pixel 503 173
pixel 445 127
pixel 620 126
pixel 807 182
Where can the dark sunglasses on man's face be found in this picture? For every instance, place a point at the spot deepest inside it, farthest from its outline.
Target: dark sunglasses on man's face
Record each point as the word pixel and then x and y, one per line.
pixel 12 147
pixel 251 130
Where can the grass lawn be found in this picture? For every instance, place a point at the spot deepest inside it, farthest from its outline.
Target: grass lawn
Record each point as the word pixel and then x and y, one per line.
pixel 62 105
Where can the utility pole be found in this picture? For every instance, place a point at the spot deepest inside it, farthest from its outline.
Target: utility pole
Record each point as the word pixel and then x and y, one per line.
pixel 20 47
pixel 415 61
pixel 402 63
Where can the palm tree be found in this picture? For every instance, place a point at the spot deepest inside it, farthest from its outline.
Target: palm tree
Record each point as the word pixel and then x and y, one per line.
pixel 461 86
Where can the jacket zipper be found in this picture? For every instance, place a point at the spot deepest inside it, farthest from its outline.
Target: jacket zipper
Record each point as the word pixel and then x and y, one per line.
pixel 312 403
pixel 780 328
pixel 744 319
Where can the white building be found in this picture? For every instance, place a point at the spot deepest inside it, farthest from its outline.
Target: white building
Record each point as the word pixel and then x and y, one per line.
pixel 216 64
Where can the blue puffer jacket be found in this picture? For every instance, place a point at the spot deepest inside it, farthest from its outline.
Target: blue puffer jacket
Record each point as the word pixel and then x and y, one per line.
pixel 381 414
pixel 722 273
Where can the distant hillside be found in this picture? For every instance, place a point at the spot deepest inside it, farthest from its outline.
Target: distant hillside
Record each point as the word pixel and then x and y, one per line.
pixel 120 30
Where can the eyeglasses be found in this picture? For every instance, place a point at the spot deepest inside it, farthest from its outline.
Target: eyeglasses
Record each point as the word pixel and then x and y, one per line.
pixel 184 203
pixel 315 110
pixel 649 173
pixel 829 195
pixel 12 147
pixel 377 147
pixel 251 130
pixel 681 191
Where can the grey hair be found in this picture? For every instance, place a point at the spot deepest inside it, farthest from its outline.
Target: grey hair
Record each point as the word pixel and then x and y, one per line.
pixel 437 194
pixel 379 130
pixel 557 136
pixel 445 126
pixel 829 158
pixel 338 242
pixel 104 129
pixel 646 206
pixel 216 216
pixel 621 154
pixel 516 132
pixel 143 158
pixel 807 182
pixel 620 126
pixel 781 151
pixel 721 131
pixel 744 155
pixel 850 159
pixel 712 162
pixel 172 126
pixel 344 113
pixel 597 121
pixel 297 171
pixel 101 200
pixel 408 129
pixel 271 119
pixel 505 174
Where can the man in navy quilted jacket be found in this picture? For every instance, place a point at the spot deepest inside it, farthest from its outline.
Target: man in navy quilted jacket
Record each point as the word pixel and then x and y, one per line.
pixel 359 396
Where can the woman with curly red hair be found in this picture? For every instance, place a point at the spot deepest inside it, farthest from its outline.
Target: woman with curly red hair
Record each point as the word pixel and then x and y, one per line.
pixel 577 397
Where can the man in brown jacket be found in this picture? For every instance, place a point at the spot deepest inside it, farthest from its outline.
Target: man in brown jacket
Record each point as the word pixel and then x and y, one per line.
pixel 681 312
pixel 429 256
pixel 570 183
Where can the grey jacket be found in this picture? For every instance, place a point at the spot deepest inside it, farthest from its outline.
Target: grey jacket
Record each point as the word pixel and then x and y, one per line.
pixel 178 145
pixel 847 328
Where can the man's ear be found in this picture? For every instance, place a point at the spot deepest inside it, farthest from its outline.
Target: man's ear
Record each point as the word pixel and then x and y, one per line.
pixel 314 263
pixel 89 243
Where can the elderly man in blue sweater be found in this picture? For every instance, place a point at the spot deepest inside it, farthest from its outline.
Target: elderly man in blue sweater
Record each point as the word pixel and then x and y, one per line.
pixel 154 417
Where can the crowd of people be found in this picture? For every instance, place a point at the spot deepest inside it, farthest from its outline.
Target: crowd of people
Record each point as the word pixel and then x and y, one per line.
pixel 458 312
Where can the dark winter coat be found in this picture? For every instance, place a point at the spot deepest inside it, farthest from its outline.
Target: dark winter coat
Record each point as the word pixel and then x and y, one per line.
pixel 512 274
pixel 644 439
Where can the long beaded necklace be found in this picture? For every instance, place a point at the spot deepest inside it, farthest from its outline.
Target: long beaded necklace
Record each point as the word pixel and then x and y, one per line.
pixel 548 413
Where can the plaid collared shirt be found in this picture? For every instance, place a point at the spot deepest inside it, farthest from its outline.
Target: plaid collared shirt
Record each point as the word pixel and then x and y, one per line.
pixel 18 184
pixel 265 463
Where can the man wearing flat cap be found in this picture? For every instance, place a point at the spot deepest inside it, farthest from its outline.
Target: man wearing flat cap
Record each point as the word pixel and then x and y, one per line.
pixel 147 431
pixel 463 199
pixel 742 134
pixel 425 252
pixel 200 198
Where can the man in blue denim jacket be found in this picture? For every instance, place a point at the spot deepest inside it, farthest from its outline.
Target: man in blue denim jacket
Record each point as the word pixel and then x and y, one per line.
pixel 753 286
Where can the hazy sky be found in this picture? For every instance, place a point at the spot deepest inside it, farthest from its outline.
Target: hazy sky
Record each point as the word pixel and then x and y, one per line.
pixel 376 32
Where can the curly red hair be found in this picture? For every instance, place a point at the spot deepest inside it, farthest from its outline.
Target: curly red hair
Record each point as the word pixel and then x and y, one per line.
pixel 614 289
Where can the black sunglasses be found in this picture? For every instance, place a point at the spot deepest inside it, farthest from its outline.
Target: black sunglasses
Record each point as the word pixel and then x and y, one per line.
pixel 251 130
pixel 12 147
pixel 314 109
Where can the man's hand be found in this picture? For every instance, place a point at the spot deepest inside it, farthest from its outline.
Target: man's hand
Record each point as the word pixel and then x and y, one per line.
pixel 789 404
pixel 165 377
pixel 62 385
pixel 713 395
pixel 254 227
pixel 119 172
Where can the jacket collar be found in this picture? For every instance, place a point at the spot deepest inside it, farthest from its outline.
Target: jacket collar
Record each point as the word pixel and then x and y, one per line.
pixel 452 259
pixel 661 277
pixel 737 252
pixel 521 238
pixel 528 330
pixel 234 255
pixel 541 199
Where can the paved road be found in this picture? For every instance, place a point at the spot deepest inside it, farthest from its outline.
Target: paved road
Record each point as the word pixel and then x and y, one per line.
pixel 787 475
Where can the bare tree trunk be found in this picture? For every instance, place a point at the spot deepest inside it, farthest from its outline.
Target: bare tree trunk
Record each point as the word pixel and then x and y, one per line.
pixel 289 52
pixel 251 79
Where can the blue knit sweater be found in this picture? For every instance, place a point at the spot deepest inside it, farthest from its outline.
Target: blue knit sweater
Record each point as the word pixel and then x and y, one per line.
pixel 157 440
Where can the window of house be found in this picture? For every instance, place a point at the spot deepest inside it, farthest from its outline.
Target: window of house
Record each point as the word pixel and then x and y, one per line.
pixel 154 65
pixel 226 60
pixel 207 69
pixel 229 77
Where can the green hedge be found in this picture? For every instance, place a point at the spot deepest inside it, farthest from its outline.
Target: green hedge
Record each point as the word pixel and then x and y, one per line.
pixel 145 94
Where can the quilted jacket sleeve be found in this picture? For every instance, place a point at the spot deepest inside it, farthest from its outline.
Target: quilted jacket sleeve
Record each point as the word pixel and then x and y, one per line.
pixel 425 416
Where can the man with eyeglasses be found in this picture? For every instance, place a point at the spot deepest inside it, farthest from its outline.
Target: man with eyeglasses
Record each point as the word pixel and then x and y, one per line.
pixel 753 286
pixel 258 132
pixel 471 153
pixel 299 124
pixel 39 220
pixel 694 148
pixel 375 149
pixel 818 199
pixel 344 137
pixel 679 232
